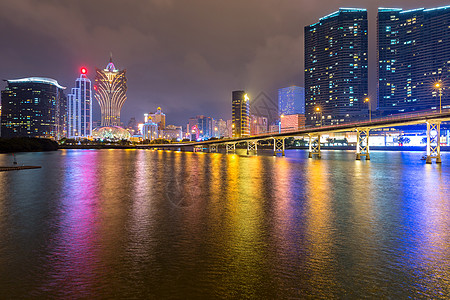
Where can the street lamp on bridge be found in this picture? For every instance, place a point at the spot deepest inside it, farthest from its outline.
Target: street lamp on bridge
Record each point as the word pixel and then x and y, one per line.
pixel 438 85
pixel 319 111
pixel 370 109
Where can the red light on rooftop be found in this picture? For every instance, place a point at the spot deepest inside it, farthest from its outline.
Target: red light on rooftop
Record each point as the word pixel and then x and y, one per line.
pixel 83 70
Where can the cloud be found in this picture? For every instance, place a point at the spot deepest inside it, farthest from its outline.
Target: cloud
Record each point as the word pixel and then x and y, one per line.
pixel 185 56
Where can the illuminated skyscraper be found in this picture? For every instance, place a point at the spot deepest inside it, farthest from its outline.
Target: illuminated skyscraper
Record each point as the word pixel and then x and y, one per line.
pixel 336 64
pixel 79 108
pixel 33 107
pixel 413 53
pixel 111 93
pixel 240 114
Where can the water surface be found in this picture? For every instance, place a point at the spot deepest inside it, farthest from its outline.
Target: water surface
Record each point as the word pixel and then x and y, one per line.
pixel 162 224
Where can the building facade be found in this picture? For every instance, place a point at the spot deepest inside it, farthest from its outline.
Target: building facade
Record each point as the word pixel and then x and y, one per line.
pixel 202 127
pixel 336 68
pixel 222 130
pixel 240 111
pixel 159 118
pixel 111 93
pixel 172 133
pixel 292 122
pixel 413 54
pixel 150 131
pixel 79 108
pixel 258 125
pixel 34 107
pixel 291 100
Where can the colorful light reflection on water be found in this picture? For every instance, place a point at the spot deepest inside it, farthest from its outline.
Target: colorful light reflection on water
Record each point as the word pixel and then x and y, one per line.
pixel 161 224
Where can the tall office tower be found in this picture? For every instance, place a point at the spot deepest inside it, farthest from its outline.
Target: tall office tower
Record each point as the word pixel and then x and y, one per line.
pixel 336 64
pixel 111 93
pixel 79 108
pixel 413 54
pixel 291 100
pixel 159 118
pixel 33 107
pixel 240 114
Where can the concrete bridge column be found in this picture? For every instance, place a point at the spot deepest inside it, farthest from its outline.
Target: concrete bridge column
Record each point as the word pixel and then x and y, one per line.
pixel 198 148
pixel 252 146
pixel 433 141
pixel 314 146
pixel 213 148
pixel 362 143
pixel 231 147
pixel 278 146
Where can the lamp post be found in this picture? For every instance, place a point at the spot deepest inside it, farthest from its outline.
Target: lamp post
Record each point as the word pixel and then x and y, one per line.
pixel 279 124
pixel 318 111
pixel 370 109
pixel 438 86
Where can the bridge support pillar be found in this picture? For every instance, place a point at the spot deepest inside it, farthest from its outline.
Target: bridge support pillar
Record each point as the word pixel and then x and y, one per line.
pixel 231 147
pixel 213 148
pixel 198 148
pixel 433 141
pixel 278 146
pixel 314 146
pixel 362 143
pixel 252 146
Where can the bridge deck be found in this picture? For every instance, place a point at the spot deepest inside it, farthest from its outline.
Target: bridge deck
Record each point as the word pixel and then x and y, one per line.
pixel 411 119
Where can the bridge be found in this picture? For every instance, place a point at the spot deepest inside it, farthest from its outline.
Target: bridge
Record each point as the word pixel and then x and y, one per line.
pixel 433 121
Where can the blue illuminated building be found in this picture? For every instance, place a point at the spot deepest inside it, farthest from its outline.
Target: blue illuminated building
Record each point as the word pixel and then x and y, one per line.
pixel 413 54
pixel 291 100
pixel 336 63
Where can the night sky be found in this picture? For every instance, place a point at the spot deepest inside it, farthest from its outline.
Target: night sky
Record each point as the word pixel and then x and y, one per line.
pixel 183 55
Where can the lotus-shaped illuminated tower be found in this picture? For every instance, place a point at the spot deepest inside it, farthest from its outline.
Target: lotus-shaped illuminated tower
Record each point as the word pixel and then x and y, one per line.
pixel 111 93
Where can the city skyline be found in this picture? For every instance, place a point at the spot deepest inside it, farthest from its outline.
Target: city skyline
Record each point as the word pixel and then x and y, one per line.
pixel 205 74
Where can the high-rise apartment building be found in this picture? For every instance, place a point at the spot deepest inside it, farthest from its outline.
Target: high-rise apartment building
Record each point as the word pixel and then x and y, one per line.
pixel 291 100
pixel 336 63
pixel 240 114
pixel 33 107
pixel 79 108
pixel 413 54
pixel 111 93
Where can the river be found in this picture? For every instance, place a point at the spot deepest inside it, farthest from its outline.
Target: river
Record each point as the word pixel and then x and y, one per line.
pixel 165 224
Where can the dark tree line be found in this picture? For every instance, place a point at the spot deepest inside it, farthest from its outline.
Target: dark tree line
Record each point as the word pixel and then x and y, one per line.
pixel 26 144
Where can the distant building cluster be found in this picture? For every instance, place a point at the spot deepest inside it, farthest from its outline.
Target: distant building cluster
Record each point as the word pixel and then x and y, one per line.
pixel 38 107
pixel 154 127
